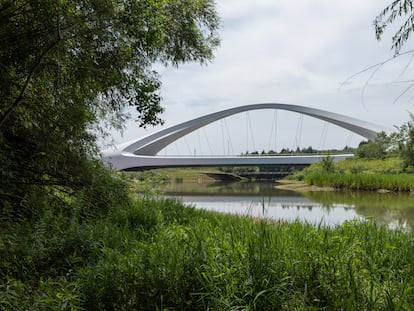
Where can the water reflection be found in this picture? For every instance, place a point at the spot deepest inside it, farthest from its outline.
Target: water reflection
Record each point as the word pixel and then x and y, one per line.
pixel 393 209
pixel 259 199
pixel 201 187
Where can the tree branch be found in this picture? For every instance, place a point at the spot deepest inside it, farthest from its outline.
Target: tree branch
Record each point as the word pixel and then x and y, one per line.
pixel 20 98
pixel 403 93
pixel 376 67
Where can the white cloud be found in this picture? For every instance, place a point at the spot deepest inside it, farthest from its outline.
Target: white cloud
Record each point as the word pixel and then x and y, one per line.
pixel 295 52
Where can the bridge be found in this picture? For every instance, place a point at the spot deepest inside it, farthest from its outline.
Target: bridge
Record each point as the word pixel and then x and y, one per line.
pixel 142 153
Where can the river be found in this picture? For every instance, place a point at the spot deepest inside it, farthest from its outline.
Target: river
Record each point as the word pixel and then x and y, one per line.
pixel 262 199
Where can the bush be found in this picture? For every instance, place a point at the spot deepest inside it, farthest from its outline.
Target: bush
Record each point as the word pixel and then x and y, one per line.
pixel 327 164
pixel 101 192
pixel 370 150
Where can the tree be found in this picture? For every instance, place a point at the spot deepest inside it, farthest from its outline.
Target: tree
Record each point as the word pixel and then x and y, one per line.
pixel 328 164
pixel 387 16
pixel 376 149
pixel 403 141
pixel 67 67
pixel 100 47
pixel 404 138
pixel 398 9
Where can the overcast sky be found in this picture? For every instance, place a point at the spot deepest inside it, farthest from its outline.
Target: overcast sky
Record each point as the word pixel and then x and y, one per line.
pixel 295 52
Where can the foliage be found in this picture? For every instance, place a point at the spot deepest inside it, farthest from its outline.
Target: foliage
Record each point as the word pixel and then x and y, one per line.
pixel 327 164
pixel 382 164
pixel 147 183
pixel 305 150
pixel 69 68
pixel 361 181
pixel 376 149
pixel 79 51
pixel 404 141
pixel 161 255
pixel 391 165
pixel 382 158
pixel 369 150
pixel 239 169
pixel 400 143
pixel 387 17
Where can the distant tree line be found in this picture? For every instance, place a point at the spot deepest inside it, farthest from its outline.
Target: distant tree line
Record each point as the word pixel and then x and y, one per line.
pixel 399 143
pixel 305 150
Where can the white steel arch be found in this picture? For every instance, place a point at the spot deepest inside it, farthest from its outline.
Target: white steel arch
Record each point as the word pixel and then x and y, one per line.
pixel 141 153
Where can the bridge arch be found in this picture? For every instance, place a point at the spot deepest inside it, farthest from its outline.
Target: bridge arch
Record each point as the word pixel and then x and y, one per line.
pixel 149 146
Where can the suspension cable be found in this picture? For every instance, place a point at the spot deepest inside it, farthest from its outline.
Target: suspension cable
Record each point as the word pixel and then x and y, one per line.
pixel 298 133
pixel 199 142
pixel 229 142
pixel 349 140
pixel 300 130
pixel 176 147
pixel 323 136
pixel 247 133
pixel 188 146
pixel 251 131
pixel 208 142
pixel 274 127
pixel 276 121
pixel 222 137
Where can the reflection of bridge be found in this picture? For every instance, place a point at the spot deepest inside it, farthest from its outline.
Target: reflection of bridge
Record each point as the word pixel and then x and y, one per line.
pixel 142 153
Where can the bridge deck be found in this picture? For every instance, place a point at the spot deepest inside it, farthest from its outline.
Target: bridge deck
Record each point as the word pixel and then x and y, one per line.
pixel 142 153
pixel 138 162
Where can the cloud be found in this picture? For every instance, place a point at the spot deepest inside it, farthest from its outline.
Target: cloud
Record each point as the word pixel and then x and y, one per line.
pixel 296 52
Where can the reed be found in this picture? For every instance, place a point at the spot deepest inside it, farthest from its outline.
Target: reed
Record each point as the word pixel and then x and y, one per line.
pixel 161 255
pixel 361 181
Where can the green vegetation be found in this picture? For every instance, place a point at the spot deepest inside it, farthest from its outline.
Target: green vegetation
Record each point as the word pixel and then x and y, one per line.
pixel 75 237
pixel 157 254
pixel 384 164
pixel 391 166
pixel 156 182
pixel 298 151
pixel 359 174
pixel 361 181
pixel 241 170
pixel 67 71
pixel 396 10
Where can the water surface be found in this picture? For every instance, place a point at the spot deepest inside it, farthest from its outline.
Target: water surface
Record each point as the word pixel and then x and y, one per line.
pixel 260 199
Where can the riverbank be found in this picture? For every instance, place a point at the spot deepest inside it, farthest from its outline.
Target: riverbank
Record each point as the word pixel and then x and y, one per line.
pixel 384 175
pixel 361 181
pixel 147 253
pixel 158 254
pixel 299 186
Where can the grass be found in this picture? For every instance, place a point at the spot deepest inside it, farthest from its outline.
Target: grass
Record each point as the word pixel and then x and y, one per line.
pixel 359 174
pixel 361 181
pixel 391 165
pixel 163 180
pixel 160 255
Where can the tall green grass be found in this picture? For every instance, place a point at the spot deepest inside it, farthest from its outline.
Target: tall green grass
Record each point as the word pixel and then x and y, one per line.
pixel 160 255
pixel 361 181
pixel 360 174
